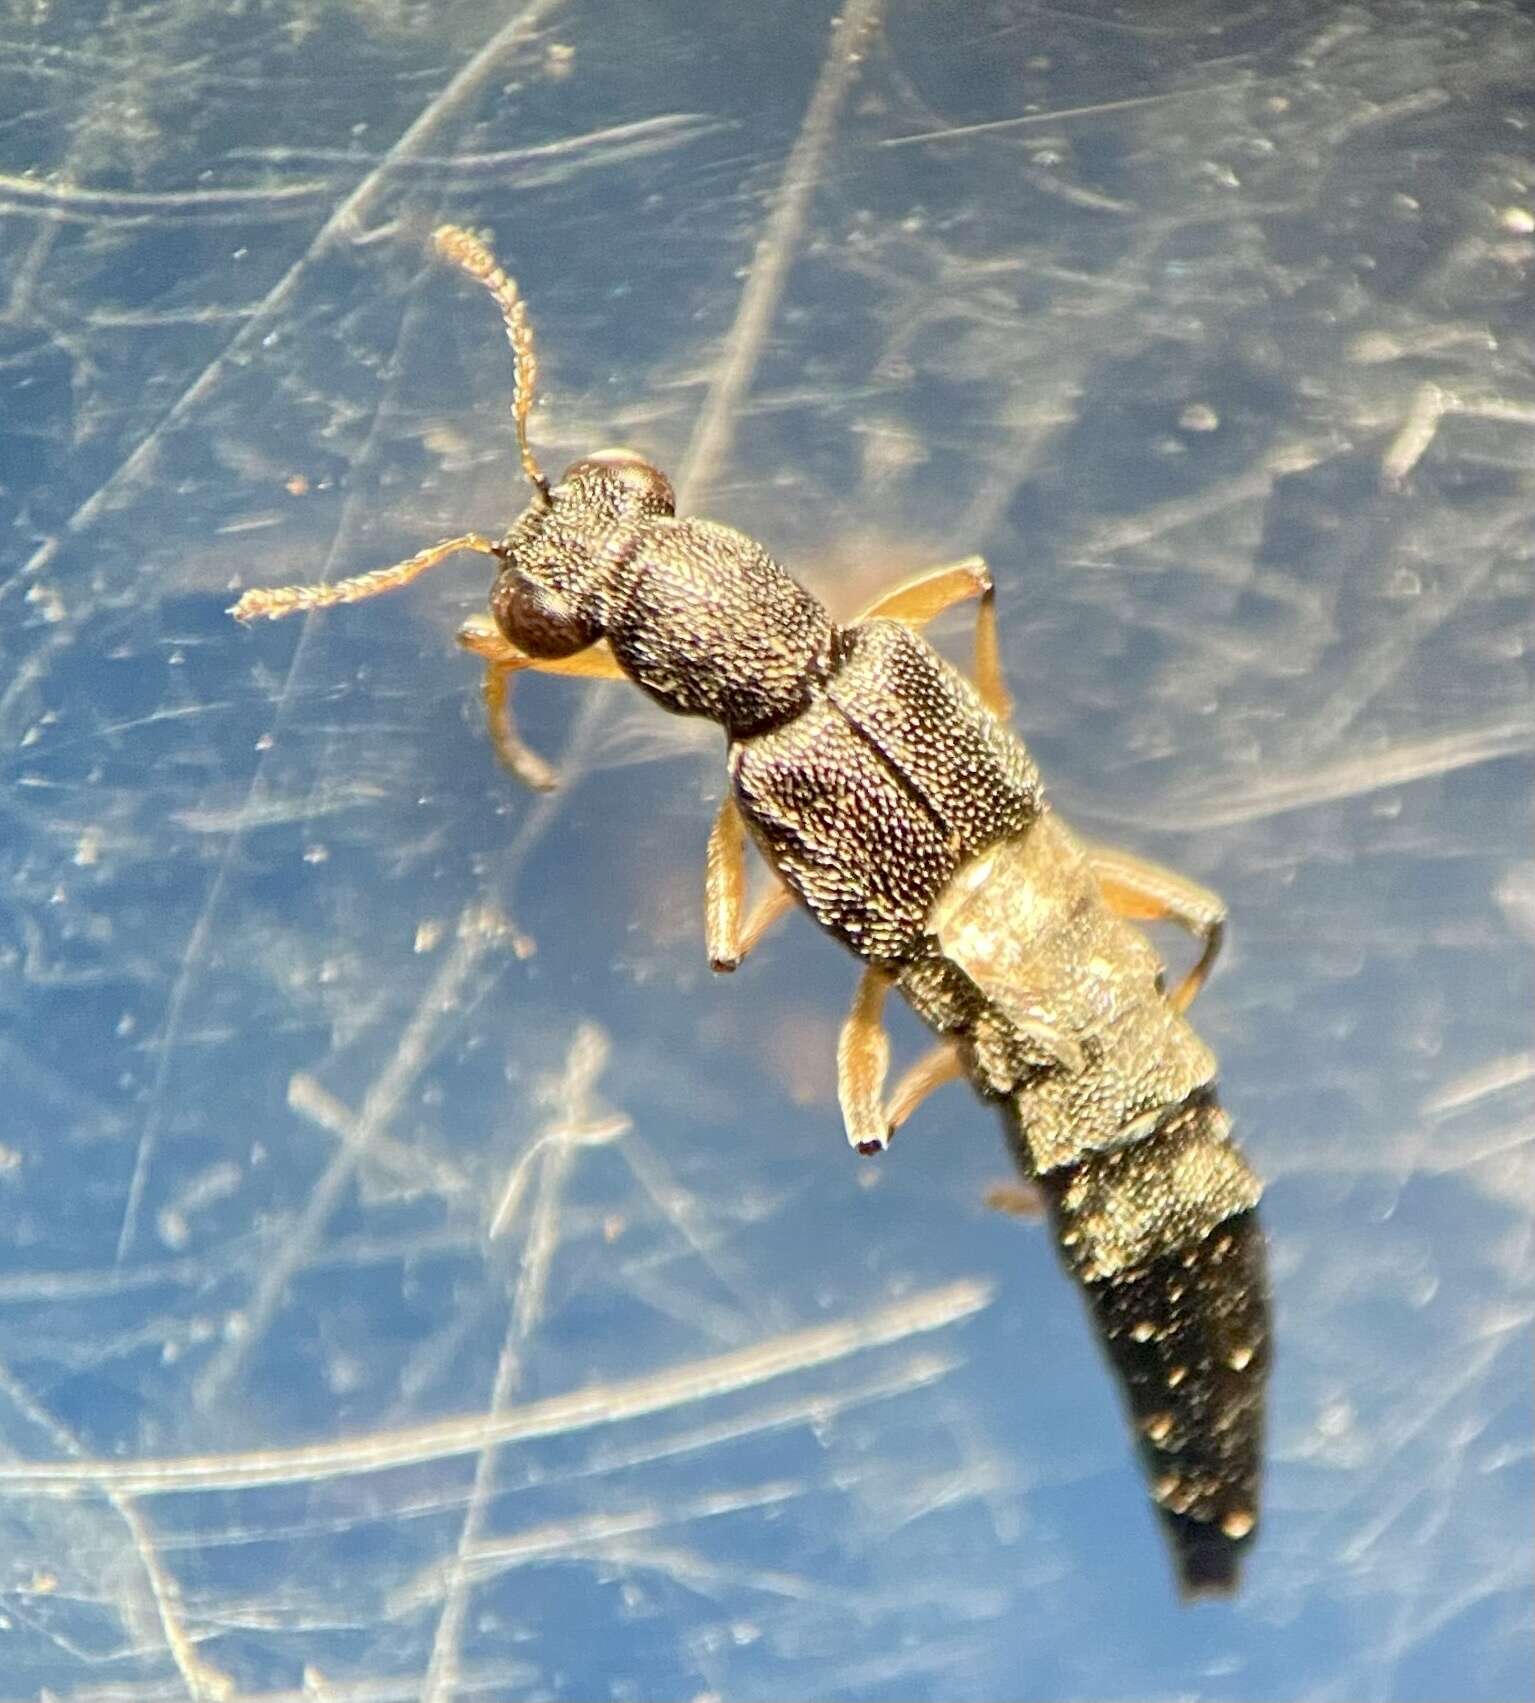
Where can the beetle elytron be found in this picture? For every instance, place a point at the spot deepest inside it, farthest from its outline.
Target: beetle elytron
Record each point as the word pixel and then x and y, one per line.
pixel 890 797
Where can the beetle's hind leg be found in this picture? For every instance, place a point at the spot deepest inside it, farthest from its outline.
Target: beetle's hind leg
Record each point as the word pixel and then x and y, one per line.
pixel 863 1058
pixel 1017 1197
pixel 918 600
pixel 1144 891
pixel 502 660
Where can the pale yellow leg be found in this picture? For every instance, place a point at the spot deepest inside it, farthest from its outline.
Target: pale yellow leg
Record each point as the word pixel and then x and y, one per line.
pixel 519 759
pixel 481 635
pixel 940 1065
pixel 502 660
pixel 925 596
pixel 1144 891
pixel 863 1059
pixel 1016 1199
pixel 727 938
pixel 917 601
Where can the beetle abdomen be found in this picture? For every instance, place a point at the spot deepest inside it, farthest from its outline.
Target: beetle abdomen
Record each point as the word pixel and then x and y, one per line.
pixel 1152 1204
pixel 1184 1323
pixel 1079 986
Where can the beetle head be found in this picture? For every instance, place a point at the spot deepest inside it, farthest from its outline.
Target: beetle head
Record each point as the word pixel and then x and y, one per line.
pixel 552 595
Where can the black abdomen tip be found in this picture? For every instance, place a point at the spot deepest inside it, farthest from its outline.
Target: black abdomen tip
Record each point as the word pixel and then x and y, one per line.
pixel 1187 1335
pixel 1209 1563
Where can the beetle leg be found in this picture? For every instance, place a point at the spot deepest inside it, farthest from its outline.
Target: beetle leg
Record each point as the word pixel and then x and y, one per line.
pixel 481 635
pixel 1018 1199
pixel 520 759
pixel 1143 891
pixel 939 1065
pixel 502 660
pixel 725 891
pixel 926 595
pixel 863 1058
pixel 918 600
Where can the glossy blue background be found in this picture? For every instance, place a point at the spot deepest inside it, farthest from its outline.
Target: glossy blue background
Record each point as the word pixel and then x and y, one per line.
pixel 295 987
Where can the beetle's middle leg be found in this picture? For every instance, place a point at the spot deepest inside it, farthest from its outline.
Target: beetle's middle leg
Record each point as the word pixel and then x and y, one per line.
pixel 1144 891
pixel 502 660
pixel 728 938
pixel 863 1058
pixel 918 600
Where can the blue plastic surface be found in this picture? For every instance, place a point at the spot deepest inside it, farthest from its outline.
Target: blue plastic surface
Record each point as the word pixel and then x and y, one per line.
pixel 419 1276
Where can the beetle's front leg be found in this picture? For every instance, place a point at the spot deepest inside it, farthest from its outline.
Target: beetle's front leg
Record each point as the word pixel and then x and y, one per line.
pixel 728 939
pixel 1144 891
pixel 502 660
pixel 863 1058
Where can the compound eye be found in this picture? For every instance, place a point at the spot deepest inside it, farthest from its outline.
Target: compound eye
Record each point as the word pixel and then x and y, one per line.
pixel 539 621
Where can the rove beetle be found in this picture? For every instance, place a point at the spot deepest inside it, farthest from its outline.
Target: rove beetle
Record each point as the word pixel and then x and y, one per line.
pixel 891 798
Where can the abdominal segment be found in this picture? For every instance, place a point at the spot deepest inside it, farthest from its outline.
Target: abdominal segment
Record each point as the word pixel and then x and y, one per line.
pixel 1080 989
pixel 1113 1113
pixel 1164 1240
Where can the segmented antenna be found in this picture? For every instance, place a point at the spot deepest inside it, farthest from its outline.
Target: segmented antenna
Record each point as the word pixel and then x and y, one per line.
pixel 272 602
pixel 467 251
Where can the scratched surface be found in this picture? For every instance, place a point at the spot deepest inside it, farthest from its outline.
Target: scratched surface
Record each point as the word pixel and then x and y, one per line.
pixel 419 1278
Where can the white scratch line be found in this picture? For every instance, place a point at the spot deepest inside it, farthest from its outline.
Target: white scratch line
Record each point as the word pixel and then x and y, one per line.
pixel 1497 1076
pixel 715 427
pixel 204 1682
pixel 670 129
pixel 478 931
pixel 991 126
pixel 344 222
pixel 52 193
pixel 1355 777
pixel 271 811
pixel 581 1410
pixel 586 1535
pixel 573 1097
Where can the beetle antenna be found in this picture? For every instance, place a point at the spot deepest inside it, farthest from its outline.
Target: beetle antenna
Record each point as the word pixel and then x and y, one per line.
pixel 466 250
pixel 272 602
